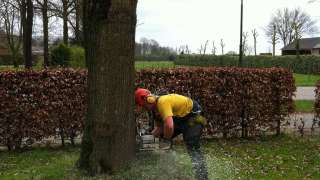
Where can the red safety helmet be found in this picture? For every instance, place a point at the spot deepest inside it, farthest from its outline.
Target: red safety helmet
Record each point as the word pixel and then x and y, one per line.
pixel 140 95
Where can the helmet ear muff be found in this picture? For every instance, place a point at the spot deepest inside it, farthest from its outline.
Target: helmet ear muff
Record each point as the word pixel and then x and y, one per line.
pixel 151 99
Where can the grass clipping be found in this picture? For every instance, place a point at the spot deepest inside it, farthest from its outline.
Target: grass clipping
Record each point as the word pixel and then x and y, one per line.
pixel 174 164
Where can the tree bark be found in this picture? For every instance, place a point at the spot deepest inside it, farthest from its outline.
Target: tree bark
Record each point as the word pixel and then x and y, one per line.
pixel 65 21
pixel 78 18
pixel 109 136
pixel 27 32
pixel 45 33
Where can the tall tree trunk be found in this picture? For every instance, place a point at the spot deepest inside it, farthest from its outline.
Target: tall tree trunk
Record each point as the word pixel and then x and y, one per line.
pixel 23 12
pixel 109 136
pixel 65 21
pixel 45 33
pixel 78 17
pixel 27 34
pixel 274 41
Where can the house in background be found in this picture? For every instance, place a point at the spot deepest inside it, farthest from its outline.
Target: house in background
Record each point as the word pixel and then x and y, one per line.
pixel 308 46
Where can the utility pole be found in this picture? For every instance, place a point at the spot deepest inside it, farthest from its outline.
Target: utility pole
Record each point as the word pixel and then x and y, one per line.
pixel 241 44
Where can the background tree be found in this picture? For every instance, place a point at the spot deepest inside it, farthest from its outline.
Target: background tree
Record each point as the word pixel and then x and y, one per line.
pixel 302 24
pixel 205 47
pixel 63 9
pixel 285 21
pixel 255 35
pixel 214 48
pixel 271 33
pixel 151 47
pixel 43 6
pixel 10 18
pixel 26 8
pixel 245 45
pixel 222 44
pixel 109 36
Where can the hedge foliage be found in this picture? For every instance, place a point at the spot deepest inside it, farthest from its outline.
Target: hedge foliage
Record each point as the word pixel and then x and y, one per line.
pixel 37 105
pixel 317 103
pixel 302 65
pixel 50 103
pixel 233 99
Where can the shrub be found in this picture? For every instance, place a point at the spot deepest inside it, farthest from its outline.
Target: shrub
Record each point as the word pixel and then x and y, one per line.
pixel 6 60
pixel 60 55
pixel 317 105
pixel 77 57
pixel 303 65
pixel 36 105
pixel 233 99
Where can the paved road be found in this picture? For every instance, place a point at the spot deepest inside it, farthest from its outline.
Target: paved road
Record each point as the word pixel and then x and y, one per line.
pixel 305 93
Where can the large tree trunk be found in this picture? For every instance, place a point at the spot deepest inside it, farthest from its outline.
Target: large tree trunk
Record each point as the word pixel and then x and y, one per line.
pixel 65 21
pixel 109 136
pixel 45 33
pixel 27 32
pixel 78 18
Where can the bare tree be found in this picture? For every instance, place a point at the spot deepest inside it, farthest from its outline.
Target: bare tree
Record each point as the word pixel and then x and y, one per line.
pixel 285 21
pixel 222 44
pixel 109 36
pixel 271 33
pixel 302 24
pixel 43 6
pixel 74 20
pixel 187 49
pixel 26 10
pixel 63 9
pixel 214 48
pixel 255 35
pixel 205 47
pixel 245 46
pixel 10 18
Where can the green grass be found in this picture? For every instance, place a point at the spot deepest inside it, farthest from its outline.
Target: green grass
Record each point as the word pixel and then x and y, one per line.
pixel 156 64
pixel 304 106
pixel 38 163
pixel 138 65
pixel 281 157
pixel 306 80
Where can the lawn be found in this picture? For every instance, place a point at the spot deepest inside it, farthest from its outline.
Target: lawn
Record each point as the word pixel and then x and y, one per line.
pixel 304 106
pixel 281 157
pixel 306 80
pixel 154 64
pixel 138 65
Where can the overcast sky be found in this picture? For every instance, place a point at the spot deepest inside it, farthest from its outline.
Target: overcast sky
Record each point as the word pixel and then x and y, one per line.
pixel 192 22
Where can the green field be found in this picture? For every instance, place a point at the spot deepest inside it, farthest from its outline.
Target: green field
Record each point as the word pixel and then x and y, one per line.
pixel 156 64
pixel 281 157
pixel 306 80
pixel 304 106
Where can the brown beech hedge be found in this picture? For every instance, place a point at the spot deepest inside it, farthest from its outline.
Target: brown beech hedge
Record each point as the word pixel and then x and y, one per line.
pixel 49 103
pixel 234 100
pixel 37 105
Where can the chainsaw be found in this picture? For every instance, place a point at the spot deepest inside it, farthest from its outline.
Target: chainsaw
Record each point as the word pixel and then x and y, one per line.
pixel 146 141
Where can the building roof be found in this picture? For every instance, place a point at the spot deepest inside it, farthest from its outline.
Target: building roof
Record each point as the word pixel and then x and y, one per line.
pixel 305 44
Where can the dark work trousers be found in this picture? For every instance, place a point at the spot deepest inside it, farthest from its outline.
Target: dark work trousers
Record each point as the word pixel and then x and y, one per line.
pixel 191 138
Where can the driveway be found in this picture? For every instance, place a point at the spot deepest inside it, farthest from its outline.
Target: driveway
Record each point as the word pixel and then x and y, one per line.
pixel 305 93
